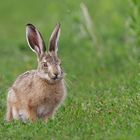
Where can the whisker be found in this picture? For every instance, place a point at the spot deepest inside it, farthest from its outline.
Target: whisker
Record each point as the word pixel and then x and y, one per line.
pixel 67 85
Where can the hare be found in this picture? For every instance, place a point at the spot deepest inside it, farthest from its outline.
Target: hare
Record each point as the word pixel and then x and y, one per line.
pixel 38 93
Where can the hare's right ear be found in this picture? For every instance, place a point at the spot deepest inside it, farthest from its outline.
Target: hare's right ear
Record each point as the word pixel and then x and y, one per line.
pixel 53 43
pixel 35 40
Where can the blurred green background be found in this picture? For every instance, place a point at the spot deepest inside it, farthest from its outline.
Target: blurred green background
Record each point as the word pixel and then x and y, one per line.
pixel 99 48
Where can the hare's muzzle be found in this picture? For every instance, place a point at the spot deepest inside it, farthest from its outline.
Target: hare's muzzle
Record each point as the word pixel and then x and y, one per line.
pixel 55 72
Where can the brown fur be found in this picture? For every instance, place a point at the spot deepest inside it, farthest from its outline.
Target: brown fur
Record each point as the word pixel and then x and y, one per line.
pixel 36 94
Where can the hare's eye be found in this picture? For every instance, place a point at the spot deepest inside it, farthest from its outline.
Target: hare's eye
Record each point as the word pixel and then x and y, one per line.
pixel 45 65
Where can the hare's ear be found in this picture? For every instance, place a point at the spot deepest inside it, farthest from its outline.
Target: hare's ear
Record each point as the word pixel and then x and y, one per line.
pixel 35 40
pixel 53 44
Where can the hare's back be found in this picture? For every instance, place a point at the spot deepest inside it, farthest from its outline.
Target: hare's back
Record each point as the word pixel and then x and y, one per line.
pixel 25 81
pixel 25 77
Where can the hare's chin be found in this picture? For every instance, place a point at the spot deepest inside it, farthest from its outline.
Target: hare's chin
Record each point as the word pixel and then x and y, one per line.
pixel 51 80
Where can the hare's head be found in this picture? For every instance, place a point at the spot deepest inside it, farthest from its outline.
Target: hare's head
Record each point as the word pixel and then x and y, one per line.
pixel 49 65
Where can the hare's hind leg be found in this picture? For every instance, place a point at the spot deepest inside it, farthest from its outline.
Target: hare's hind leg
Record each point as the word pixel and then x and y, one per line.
pixel 11 110
pixel 12 113
pixel 9 115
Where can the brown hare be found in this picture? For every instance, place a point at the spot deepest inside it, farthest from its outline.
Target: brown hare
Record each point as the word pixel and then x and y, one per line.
pixel 38 93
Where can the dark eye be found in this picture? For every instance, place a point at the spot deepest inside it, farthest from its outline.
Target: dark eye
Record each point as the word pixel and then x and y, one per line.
pixel 45 65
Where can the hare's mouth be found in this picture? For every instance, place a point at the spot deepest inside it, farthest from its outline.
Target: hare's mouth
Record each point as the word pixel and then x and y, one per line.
pixel 56 78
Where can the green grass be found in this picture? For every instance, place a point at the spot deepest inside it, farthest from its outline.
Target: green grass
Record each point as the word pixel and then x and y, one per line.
pixel 103 80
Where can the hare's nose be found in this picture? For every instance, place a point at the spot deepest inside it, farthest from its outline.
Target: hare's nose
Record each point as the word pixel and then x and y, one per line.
pixel 55 76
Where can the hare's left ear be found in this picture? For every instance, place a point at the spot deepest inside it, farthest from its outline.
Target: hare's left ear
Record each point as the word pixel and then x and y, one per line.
pixel 53 43
pixel 35 40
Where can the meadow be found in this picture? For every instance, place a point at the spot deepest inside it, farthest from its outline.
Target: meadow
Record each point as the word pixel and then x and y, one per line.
pixel 100 53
